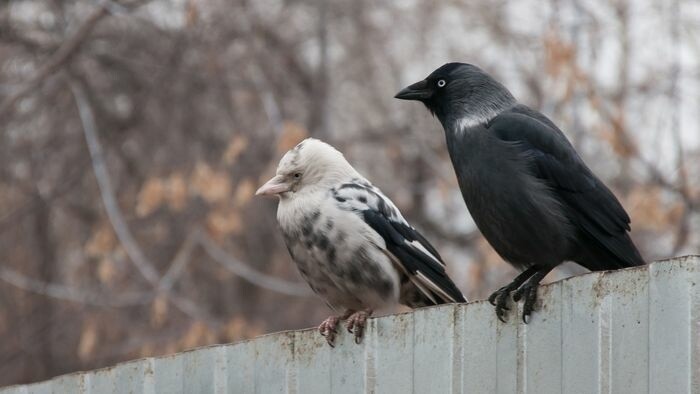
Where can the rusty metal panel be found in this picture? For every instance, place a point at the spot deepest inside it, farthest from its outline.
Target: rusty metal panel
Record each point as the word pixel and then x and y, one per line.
pixel 673 324
pixel 167 373
pixel 542 370
pixel 100 381
pixel 240 367
pixel 311 363
pixel 348 368
pixel 433 344
pixel 630 331
pixel 392 353
pixel 480 334
pixel 580 334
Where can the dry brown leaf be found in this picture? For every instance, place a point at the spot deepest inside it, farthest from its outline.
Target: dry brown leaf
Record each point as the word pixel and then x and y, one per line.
pixel 88 339
pixel 648 210
pixel 106 271
pixel 476 275
pixel 234 328
pixel 159 311
pixel 148 350
pixel 223 222
pixel 191 14
pixel 212 185
pixel 172 347
pixel 613 132
pixel 101 242
pixel 197 335
pixel 235 147
pixel 150 197
pixel 239 328
pixel 560 55
pixel 244 192
pixel 176 191
pixel 292 134
pixel 675 211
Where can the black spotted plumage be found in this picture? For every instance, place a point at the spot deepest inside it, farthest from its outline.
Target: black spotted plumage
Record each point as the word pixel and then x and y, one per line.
pixel 350 242
pixel 416 257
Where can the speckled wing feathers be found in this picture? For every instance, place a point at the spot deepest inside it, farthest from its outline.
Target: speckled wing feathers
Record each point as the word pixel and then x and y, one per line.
pixel 416 257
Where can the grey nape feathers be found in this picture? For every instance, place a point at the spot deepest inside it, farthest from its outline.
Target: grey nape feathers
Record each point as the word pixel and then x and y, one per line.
pixel 350 242
pixel 529 192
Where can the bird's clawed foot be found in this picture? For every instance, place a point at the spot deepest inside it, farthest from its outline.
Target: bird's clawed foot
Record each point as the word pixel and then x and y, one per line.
pixel 499 299
pixel 524 286
pixel 329 328
pixel 528 292
pixel 356 324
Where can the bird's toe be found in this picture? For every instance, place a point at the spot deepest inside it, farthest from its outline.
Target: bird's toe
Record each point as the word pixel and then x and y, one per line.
pixel 492 298
pixel 328 329
pixel 518 294
pixel 501 314
pixel 529 304
pixel 500 300
pixel 356 324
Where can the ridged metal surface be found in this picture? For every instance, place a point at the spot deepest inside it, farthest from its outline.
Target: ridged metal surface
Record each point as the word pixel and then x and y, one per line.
pixel 630 331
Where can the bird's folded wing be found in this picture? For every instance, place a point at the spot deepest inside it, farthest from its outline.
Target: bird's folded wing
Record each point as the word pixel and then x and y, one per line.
pixel 417 257
pixel 597 211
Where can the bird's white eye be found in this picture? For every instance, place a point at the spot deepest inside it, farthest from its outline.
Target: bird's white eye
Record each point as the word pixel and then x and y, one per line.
pixel 441 83
pixel 297 175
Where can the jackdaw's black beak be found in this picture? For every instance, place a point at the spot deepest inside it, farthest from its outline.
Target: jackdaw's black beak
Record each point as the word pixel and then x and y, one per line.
pixel 418 91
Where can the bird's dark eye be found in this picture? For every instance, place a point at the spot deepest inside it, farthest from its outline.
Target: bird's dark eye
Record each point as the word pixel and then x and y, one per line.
pixel 297 175
pixel 441 83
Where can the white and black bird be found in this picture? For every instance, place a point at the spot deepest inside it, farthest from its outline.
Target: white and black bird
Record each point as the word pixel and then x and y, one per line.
pixel 350 242
pixel 529 192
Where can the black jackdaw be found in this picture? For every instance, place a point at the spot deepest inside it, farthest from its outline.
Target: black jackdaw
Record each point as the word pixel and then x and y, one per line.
pixel 529 192
pixel 350 242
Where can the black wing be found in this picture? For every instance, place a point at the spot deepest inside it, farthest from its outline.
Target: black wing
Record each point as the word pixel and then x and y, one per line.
pixel 594 208
pixel 415 255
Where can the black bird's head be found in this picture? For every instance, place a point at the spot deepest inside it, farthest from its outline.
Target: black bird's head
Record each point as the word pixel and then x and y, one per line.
pixel 460 95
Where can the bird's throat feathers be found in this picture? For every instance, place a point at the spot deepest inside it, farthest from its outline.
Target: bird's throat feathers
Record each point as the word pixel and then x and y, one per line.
pixel 465 114
pixel 470 98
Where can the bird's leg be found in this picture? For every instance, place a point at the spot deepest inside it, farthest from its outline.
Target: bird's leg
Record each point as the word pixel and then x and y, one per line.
pixel 499 298
pixel 528 291
pixel 356 323
pixel 329 327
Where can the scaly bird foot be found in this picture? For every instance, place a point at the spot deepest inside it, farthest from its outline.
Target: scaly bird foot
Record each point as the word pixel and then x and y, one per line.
pixel 499 299
pixel 356 324
pixel 528 292
pixel 329 328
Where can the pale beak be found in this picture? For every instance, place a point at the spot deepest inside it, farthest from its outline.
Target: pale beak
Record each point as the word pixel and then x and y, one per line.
pixel 276 185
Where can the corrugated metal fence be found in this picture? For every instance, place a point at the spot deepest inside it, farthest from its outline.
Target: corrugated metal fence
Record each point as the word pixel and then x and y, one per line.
pixel 630 331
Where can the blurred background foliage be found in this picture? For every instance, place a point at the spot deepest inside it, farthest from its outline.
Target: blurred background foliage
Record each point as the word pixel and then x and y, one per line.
pixel 134 133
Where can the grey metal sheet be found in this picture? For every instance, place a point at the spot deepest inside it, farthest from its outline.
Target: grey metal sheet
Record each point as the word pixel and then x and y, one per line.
pixel 629 331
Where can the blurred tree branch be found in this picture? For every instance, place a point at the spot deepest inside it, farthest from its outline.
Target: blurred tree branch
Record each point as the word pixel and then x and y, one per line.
pixel 57 60
pixel 64 53
pixel 243 270
pixel 143 265
pixel 72 294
